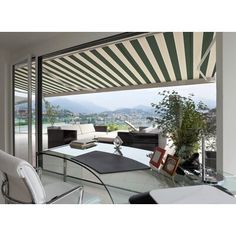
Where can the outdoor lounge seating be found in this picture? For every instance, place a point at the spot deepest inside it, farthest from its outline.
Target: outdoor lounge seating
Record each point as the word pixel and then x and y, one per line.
pixel 87 131
pixel 147 141
pixel 145 138
pixel 67 133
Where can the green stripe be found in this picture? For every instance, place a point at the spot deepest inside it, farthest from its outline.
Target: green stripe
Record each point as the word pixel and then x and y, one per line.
pixel 170 43
pixel 92 70
pixel 77 76
pixel 45 80
pixel 54 88
pixel 121 64
pixel 49 83
pixel 24 86
pixel 105 61
pixel 214 71
pixel 188 46
pixel 157 54
pixel 24 71
pixel 85 56
pixel 60 74
pixel 207 39
pixel 138 48
pixel 125 52
pixel 84 72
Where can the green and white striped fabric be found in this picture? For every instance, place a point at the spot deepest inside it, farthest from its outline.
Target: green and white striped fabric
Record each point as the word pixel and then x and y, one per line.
pixel 151 59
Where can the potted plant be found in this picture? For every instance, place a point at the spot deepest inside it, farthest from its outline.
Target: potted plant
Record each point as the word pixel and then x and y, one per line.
pixel 181 120
pixel 51 112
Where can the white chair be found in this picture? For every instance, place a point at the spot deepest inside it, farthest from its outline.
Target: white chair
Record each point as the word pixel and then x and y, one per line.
pixel 21 184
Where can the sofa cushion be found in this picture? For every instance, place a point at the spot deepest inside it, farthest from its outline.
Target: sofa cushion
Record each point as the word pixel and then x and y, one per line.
pixel 86 136
pixel 87 128
pixel 72 127
pixel 152 130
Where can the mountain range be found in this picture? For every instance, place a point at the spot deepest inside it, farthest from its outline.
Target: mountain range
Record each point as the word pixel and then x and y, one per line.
pixel 89 107
pixel 77 106
pixel 85 107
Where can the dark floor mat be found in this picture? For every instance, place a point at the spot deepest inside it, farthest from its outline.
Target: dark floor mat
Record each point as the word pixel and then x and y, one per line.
pixel 105 163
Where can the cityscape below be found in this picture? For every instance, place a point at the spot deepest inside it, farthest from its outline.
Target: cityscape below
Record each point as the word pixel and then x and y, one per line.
pixel 114 108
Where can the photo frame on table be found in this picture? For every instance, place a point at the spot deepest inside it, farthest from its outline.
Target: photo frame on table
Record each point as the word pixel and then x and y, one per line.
pixel 157 157
pixel 171 164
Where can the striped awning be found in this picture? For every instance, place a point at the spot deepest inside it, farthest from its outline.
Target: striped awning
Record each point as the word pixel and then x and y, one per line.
pixel 152 59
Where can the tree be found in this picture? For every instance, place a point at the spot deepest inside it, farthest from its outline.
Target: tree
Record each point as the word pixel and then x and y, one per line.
pixel 181 120
pixel 52 112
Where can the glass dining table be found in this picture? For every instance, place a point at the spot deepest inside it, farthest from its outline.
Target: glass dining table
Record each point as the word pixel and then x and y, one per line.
pixel 60 160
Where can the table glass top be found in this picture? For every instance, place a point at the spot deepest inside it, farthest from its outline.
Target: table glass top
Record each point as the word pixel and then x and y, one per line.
pixel 141 180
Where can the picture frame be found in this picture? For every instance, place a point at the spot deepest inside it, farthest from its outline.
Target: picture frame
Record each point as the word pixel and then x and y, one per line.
pixel 171 164
pixel 157 157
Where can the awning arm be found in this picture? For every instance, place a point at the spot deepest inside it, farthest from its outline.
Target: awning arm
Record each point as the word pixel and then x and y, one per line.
pixel 204 57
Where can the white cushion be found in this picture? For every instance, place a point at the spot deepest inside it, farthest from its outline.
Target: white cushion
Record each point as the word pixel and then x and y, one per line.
pixel 152 130
pixel 72 127
pixel 87 128
pixel 86 136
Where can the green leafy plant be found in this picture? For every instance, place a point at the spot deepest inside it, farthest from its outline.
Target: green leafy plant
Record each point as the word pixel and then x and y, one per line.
pixel 52 112
pixel 181 120
pixel 112 127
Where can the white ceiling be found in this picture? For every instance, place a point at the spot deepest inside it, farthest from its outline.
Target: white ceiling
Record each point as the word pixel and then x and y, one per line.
pixel 16 40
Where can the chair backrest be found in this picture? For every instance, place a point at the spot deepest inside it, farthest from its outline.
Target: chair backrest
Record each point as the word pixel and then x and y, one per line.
pixel 23 182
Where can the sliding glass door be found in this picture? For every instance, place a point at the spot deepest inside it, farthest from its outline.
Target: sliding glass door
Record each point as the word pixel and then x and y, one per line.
pixel 24 110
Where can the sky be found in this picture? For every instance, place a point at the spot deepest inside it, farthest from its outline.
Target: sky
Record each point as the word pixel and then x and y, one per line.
pixel 132 98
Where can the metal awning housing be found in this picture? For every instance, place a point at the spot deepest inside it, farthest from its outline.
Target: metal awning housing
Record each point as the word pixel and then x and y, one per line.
pixel 151 60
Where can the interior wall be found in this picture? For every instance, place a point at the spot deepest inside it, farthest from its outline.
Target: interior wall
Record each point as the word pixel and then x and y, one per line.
pixel 226 97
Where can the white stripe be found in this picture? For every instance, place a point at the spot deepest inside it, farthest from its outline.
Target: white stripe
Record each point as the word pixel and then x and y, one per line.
pixel 99 71
pixel 180 50
pixel 120 55
pixel 212 60
pixel 165 55
pixel 56 77
pixel 46 79
pixel 138 60
pixel 151 58
pixel 197 52
pixel 21 78
pixel 116 65
pixel 21 84
pixel 22 74
pixel 104 66
pixel 87 80
pixel 83 74
pixel 62 79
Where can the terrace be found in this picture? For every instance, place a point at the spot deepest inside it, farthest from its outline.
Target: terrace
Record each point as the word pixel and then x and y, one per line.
pixel 138 61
